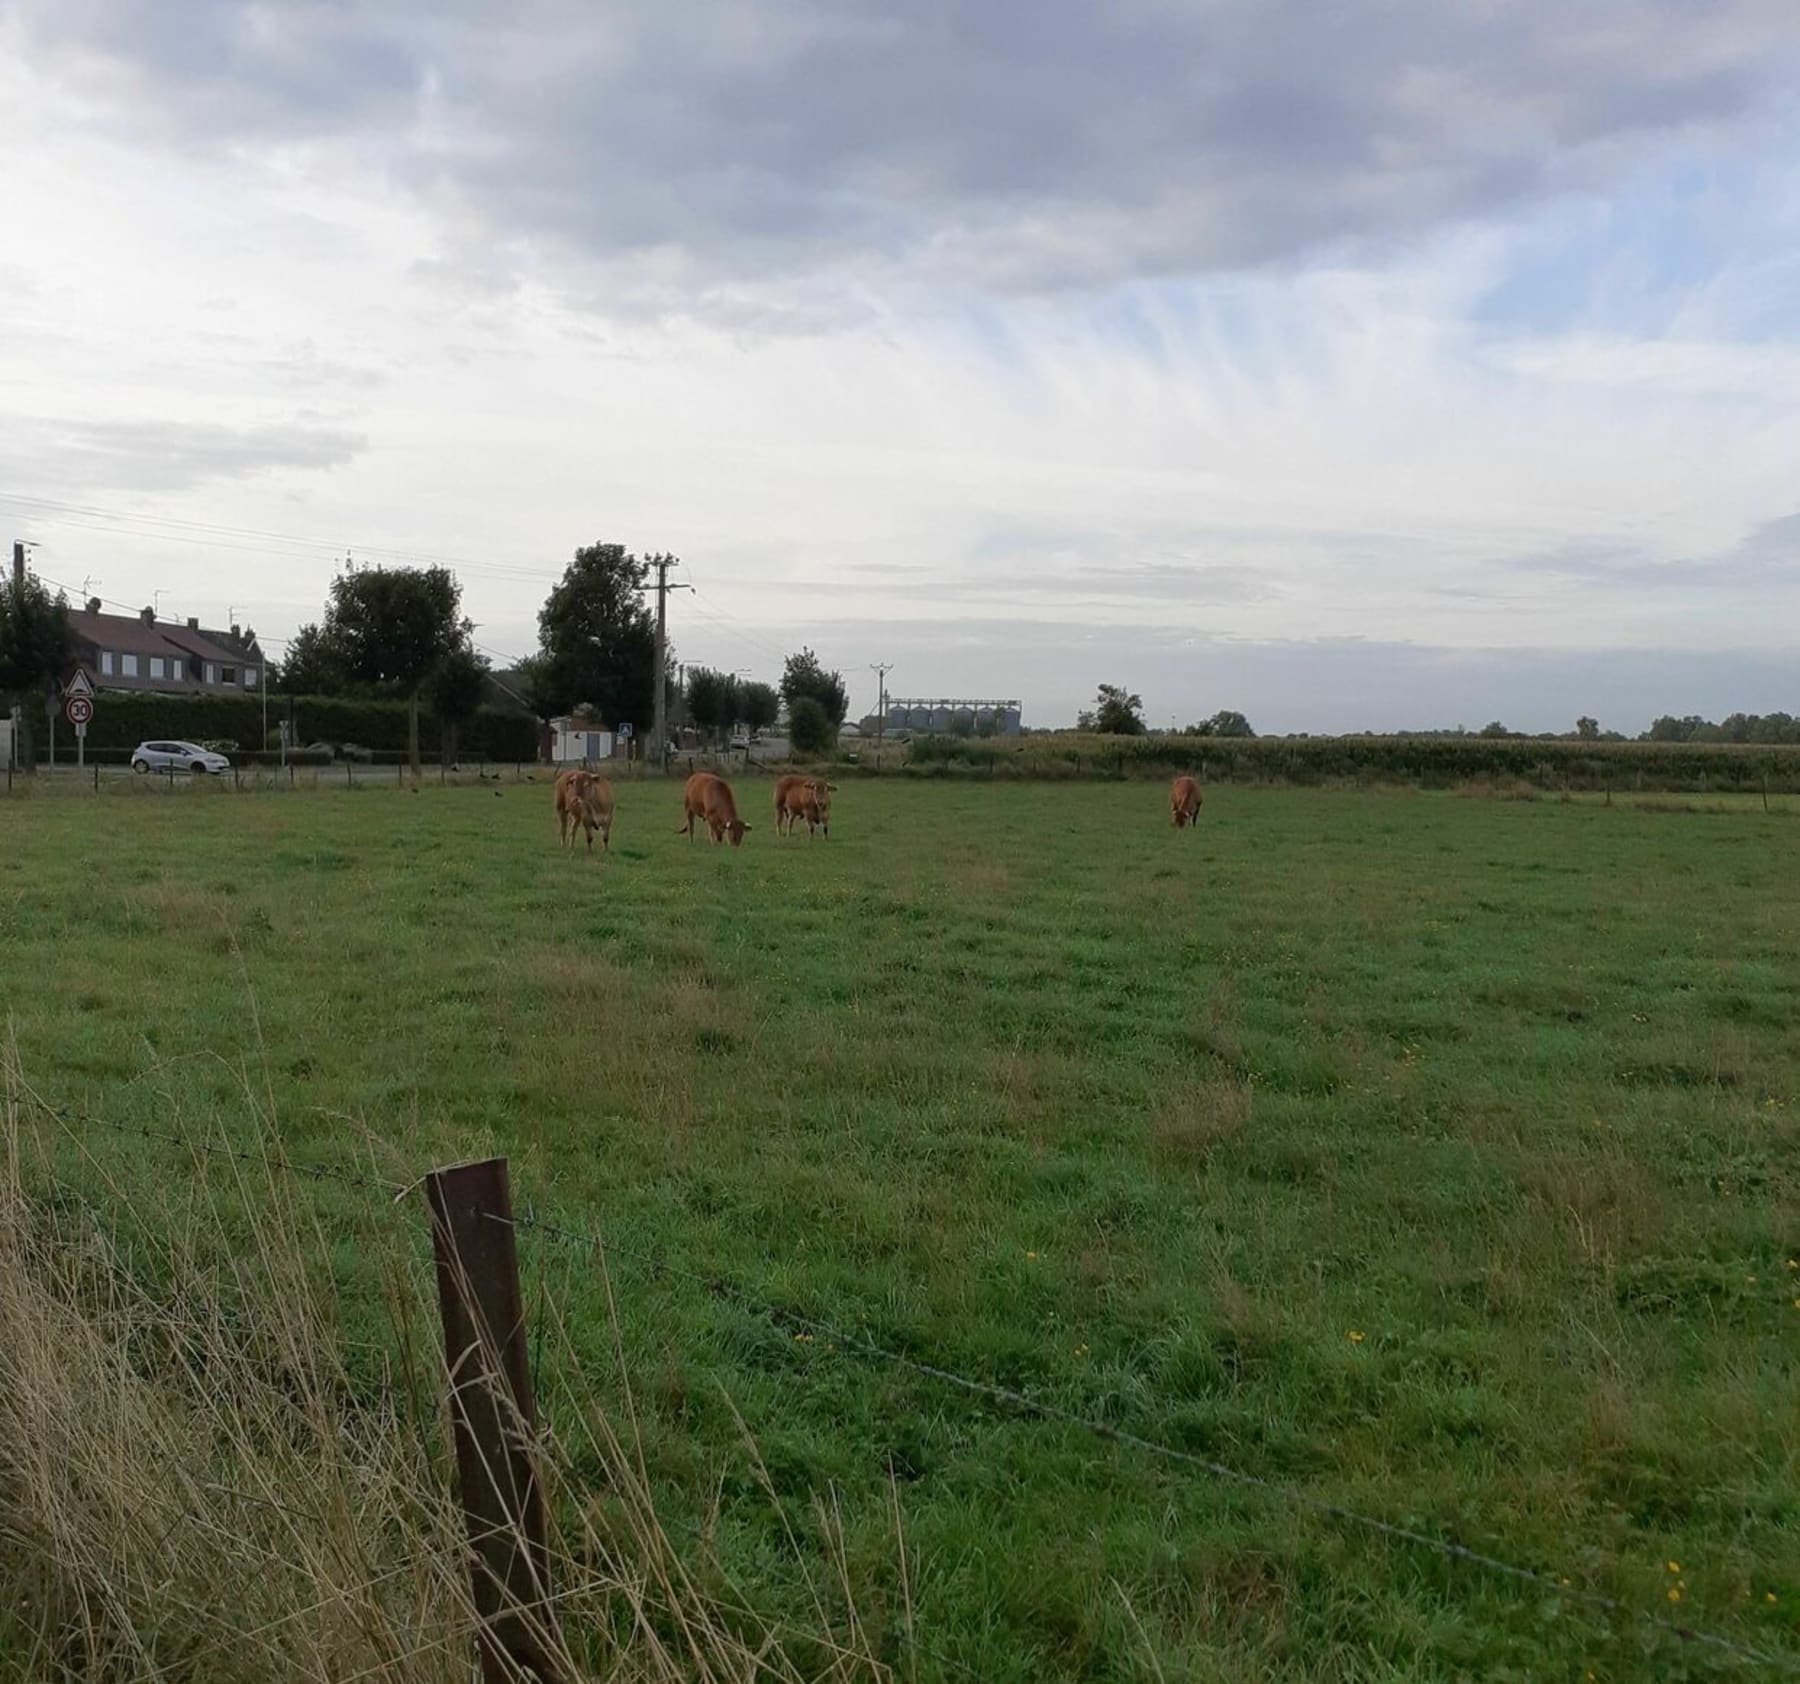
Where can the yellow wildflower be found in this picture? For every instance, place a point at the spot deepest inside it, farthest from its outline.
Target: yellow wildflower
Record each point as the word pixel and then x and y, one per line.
pixel 1355 1336
pixel 1031 1257
pixel 1674 1566
pixel 1674 1593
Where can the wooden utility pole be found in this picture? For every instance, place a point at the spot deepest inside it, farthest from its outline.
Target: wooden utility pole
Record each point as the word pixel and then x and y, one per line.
pixel 881 669
pixel 660 706
pixel 492 1417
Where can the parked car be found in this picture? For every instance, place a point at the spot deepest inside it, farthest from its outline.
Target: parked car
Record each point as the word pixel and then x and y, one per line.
pixel 178 757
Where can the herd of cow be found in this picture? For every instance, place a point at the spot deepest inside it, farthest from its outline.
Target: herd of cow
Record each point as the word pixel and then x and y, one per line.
pixel 584 802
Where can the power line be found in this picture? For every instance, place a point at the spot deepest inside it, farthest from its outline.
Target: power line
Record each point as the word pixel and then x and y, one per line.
pixel 182 529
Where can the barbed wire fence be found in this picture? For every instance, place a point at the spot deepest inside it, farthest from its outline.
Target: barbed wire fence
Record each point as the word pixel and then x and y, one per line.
pixel 858 1344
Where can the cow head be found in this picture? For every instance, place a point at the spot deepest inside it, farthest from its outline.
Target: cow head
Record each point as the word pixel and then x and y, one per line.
pixel 735 830
pixel 822 801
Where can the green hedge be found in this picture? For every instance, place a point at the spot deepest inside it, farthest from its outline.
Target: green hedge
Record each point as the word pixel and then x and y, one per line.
pixel 122 722
pixel 1430 762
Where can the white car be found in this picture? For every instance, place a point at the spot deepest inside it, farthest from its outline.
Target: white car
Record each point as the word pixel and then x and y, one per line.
pixel 178 757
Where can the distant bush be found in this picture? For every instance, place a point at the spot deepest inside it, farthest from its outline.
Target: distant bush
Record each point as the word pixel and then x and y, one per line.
pixel 810 727
pixel 1427 762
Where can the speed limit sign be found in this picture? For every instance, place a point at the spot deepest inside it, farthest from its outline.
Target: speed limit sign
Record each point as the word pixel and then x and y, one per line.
pixel 78 710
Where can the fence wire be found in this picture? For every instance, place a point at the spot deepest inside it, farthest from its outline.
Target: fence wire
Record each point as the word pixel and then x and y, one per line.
pixel 1559 1586
pixel 1023 1403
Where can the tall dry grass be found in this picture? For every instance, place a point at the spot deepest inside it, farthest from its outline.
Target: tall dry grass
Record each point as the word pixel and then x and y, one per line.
pixel 201 1480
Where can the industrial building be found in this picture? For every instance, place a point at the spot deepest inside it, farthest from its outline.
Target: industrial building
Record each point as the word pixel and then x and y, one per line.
pixel 963 716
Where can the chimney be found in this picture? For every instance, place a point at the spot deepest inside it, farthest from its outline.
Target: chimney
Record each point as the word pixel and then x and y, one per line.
pixel 93 605
pixel 236 634
pixel 193 622
pixel 18 565
pixel 148 615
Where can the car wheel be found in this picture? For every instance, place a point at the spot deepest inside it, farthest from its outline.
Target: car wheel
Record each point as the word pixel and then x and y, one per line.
pixel 140 764
pixel 196 767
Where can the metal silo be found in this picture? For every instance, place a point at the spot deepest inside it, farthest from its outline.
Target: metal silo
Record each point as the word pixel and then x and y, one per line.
pixel 919 719
pixel 940 718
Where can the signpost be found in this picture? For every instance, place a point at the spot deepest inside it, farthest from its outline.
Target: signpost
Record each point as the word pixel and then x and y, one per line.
pixel 78 709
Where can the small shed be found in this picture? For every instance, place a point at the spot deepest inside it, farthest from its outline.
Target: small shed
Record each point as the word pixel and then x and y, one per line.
pixel 574 742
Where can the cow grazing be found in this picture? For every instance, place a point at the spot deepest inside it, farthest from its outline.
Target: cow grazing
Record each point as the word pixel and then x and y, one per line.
pixel 584 801
pixel 1184 801
pixel 799 798
pixel 708 797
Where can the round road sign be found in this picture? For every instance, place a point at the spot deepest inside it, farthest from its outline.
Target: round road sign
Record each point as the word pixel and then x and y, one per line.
pixel 78 709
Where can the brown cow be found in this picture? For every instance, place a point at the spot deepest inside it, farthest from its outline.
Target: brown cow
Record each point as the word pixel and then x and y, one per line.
pixel 708 797
pixel 799 798
pixel 584 801
pixel 1184 801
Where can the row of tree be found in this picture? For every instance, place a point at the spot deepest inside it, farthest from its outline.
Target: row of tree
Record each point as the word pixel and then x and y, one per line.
pixel 1118 712
pixel 1733 728
pixel 400 631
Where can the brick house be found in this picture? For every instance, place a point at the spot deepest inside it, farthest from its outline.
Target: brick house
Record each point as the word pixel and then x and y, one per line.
pixel 139 654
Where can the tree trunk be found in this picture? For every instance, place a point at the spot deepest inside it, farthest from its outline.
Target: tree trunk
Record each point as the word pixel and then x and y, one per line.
pixel 412 734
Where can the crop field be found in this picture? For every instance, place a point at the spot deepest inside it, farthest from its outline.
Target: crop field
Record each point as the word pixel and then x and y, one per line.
pixel 1433 1157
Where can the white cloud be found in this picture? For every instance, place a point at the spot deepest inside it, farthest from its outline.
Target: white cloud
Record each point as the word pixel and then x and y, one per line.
pixel 927 399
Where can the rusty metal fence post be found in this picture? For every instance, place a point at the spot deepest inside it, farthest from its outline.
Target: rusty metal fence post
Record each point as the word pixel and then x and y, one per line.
pixel 493 1417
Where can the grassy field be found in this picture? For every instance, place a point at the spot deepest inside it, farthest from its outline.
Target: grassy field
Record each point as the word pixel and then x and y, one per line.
pixel 1433 1156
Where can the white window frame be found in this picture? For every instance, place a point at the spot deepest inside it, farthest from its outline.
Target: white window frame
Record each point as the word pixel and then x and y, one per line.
pixel 128 666
pixel 159 667
pixel 228 675
pixel 212 672
pixel 106 663
pixel 252 676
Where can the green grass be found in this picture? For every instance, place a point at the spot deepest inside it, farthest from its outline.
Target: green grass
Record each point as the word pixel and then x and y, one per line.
pixel 1018 1080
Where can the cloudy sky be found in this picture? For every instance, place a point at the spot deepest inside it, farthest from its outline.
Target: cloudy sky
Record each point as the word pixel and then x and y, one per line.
pixel 1362 365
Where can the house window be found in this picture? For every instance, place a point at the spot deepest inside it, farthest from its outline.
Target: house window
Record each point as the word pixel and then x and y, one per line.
pixel 228 675
pixel 159 668
pixel 251 675
pixel 177 668
pixel 128 666
pixel 106 663
pixel 212 673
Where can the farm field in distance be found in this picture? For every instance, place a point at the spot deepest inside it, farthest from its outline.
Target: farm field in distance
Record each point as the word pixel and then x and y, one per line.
pixel 1432 1156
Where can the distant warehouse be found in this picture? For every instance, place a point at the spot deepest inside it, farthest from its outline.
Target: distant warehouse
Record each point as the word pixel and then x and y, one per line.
pixel 955 716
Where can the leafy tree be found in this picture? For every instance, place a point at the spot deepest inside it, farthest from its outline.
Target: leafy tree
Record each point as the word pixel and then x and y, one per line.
pixel 803 676
pixel 37 646
pixel 313 665
pixel 810 728
pixel 456 689
pixel 1227 722
pixel 597 639
pixel 712 699
pixel 1493 728
pixel 758 704
pixel 391 629
pixel 1587 729
pixel 1118 713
